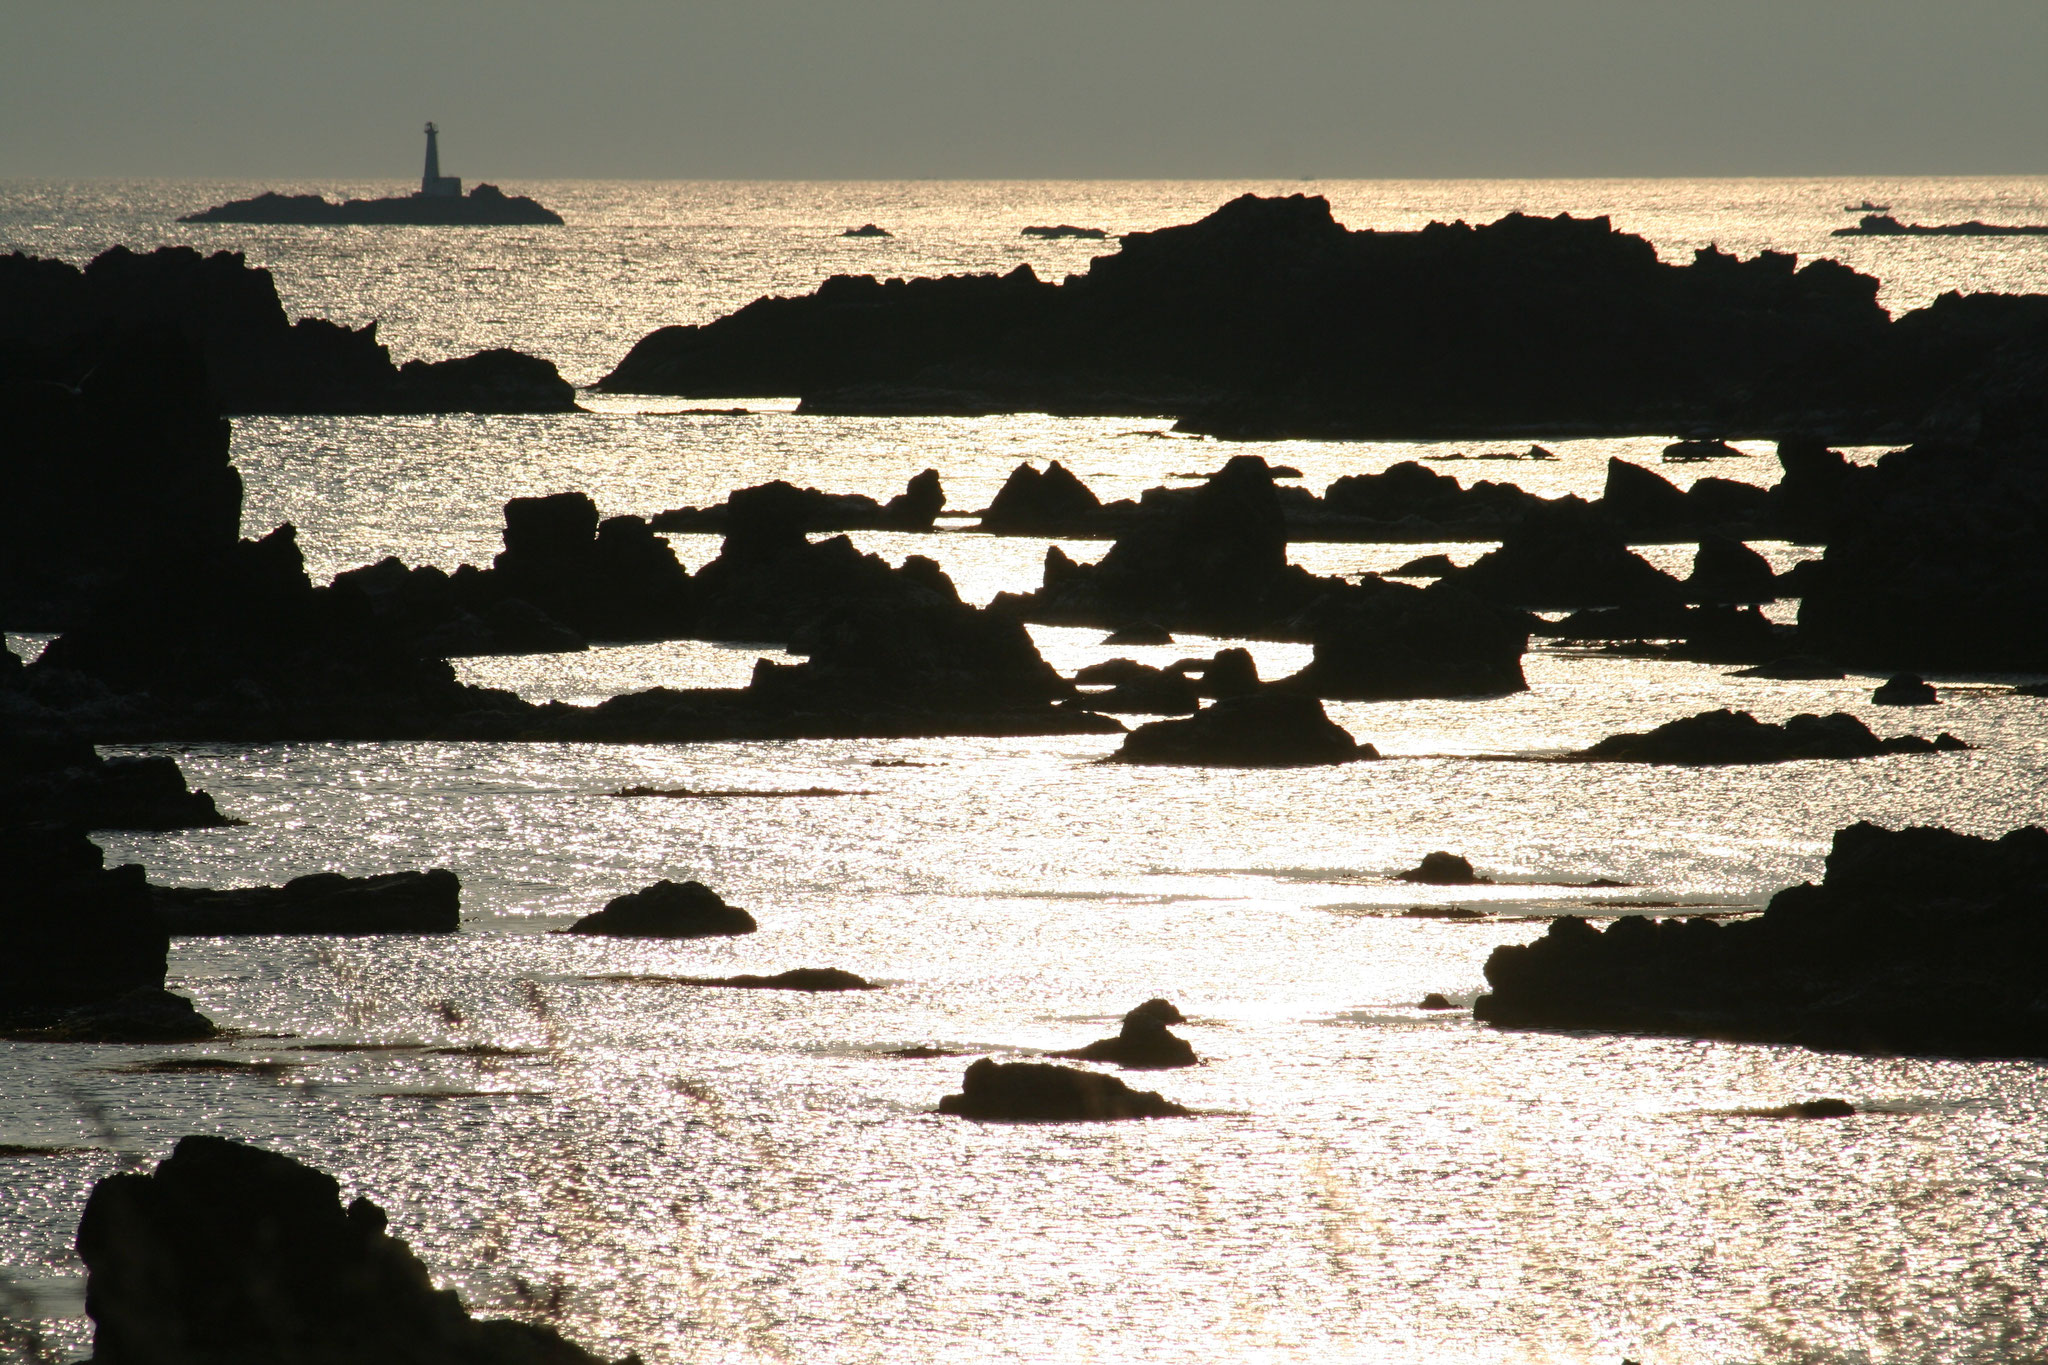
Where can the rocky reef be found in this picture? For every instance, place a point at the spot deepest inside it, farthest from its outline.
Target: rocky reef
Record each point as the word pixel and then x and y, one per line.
pixel 1268 729
pixel 256 359
pixel 484 206
pixel 1270 319
pixel 812 511
pixel 227 1253
pixel 1918 940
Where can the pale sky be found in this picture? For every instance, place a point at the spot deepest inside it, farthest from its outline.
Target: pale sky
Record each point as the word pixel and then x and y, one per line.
pixel 1024 88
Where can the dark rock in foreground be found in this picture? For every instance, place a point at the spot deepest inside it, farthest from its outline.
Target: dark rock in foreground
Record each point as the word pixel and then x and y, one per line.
pixel 82 955
pixel 1035 1092
pixel 667 910
pixel 1919 941
pixel 1268 729
pixel 1144 1043
pixel 484 206
pixel 322 903
pixel 1724 736
pixel 230 1255
pixel 1443 869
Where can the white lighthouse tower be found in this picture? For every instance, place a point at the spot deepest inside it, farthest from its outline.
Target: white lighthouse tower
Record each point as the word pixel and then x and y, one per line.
pixel 433 184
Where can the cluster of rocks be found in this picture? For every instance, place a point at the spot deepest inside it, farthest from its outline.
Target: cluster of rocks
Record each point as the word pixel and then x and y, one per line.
pixel 914 509
pixel 1919 940
pixel 256 359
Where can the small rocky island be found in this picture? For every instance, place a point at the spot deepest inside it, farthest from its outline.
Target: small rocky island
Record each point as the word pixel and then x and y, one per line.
pixel 439 202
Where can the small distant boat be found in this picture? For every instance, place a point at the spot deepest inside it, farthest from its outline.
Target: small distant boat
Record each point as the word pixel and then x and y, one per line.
pixel 1866 207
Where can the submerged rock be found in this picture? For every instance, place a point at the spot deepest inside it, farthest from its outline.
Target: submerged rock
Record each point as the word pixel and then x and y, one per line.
pixel 1918 940
pixel 1725 736
pixel 226 1253
pixel 1035 1092
pixel 666 910
pixel 322 903
pixel 1266 730
pixel 795 979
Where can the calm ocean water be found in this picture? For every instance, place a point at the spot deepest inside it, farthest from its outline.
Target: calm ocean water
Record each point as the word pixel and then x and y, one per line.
pixel 744 1176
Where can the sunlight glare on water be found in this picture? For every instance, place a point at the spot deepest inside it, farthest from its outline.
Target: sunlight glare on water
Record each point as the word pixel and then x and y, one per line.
pixel 716 1175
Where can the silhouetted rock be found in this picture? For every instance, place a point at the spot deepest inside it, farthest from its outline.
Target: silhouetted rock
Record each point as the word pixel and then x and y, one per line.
pixel 812 511
pixel 1443 869
pixel 256 359
pixel 112 453
pixel 1942 564
pixel 1427 566
pixel 795 979
pixel 1884 225
pixel 82 955
pixel 227 1253
pixel 1268 319
pixel 1035 502
pixel 1268 729
pixel 1804 1109
pixel 65 780
pixel 1435 1001
pixel 1794 668
pixel 1683 452
pixel 1065 230
pixel 1386 641
pixel 867 230
pixel 1139 633
pixel 1143 1044
pixel 1566 557
pixel 1906 689
pixel 1225 674
pixel 1138 689
pixel 1035 1092
pixel 666 910
pixel 321 903
pixel 1728 572
pixel 484 206
pixel 1165 1011
pixel 1724 736
pixel 1917 941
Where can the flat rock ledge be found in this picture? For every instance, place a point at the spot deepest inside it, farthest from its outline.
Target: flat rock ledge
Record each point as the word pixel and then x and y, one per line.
pixel 1037 1092
pixel 322 903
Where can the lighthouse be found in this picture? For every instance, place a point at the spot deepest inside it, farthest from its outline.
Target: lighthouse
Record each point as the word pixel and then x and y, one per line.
pixel 433 184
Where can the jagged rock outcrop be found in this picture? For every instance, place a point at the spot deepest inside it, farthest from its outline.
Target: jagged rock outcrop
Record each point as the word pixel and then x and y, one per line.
pixel 1725 736
pixel 232 1255
pixel 1050 502
pixel 1917 940
pixel 1036 1092
pixel 82 955
pixel 256 359
pixel 320 903
pixel 1726 573
pixel 1267 318
pixel 1269 729
pixel 1563 558
pixel 1905 689
pixel 667 910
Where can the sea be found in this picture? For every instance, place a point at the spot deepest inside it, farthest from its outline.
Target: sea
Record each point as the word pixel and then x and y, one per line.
pixel 709 1175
